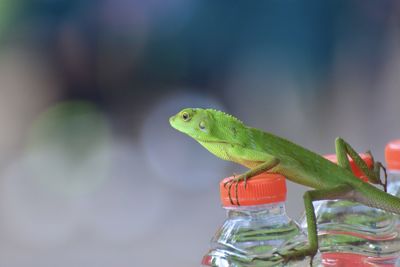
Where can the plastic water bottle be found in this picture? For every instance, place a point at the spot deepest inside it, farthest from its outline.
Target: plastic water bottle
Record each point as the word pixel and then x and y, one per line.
pixel 253 231
pixel 352 234
pixel 392 157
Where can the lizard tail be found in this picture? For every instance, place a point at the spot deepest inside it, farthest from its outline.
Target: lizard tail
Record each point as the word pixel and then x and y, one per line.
pixel 373 197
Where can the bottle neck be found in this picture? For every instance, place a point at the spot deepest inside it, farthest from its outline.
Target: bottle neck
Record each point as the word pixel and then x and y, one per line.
pixel 394 182
pixel 258 211
pixel 394 172
pixel 393 177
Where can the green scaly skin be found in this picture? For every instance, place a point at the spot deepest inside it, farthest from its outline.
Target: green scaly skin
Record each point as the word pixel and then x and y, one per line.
pixel 228 138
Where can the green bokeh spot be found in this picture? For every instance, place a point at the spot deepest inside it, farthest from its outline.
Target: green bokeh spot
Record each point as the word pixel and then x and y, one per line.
pixel 69 147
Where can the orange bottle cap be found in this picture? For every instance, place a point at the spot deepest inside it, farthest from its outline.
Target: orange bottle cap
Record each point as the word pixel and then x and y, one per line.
pixel 264 188
pixel 392 155
pixel 356 170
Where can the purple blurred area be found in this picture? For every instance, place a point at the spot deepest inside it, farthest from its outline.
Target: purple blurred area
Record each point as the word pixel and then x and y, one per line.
pixel 91 173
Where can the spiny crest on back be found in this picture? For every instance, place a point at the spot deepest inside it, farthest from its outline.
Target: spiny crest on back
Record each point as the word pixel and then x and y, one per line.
pixel 225 115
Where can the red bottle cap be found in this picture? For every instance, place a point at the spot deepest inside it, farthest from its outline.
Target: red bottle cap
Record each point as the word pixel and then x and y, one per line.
pixel 357 171
pixel 392 155
pixel 206 261
pixel 344 260
pixel 264 188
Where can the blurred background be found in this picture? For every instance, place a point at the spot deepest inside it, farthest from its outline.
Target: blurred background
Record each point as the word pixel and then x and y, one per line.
pixel 91 173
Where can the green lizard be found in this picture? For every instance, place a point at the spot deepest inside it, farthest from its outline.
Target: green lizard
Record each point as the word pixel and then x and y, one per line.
pixel 228 138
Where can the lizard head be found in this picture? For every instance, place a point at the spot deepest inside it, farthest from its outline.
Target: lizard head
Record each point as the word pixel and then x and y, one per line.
pixel 207 125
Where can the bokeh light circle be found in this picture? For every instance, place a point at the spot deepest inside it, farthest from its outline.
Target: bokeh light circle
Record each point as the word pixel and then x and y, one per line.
pixel 69 148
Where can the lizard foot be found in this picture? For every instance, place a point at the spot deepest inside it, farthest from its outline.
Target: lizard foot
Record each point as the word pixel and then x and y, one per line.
pixel 296 254
pixel 376 168
pixel 235 181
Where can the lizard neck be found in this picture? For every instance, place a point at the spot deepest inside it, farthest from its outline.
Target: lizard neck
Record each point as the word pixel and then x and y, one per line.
pixel 217 148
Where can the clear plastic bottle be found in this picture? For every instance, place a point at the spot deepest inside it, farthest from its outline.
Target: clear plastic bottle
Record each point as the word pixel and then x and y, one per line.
pixel 253 231
pixel 392 157
pixel 350 232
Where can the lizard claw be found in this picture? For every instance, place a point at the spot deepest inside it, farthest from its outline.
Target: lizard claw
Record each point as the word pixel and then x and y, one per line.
pixel 295 254
pixel 230 183
pixel 283 257
pixel 384 184
pixel 229 192
pixel 230 180
pixel 235 180
pixel 245 181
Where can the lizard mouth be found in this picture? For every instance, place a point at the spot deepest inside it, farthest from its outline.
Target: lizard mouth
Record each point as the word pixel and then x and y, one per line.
pixel 217 142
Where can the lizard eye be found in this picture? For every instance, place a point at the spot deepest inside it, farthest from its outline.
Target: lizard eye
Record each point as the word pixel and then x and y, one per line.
pixel 185 116
pixel 202 125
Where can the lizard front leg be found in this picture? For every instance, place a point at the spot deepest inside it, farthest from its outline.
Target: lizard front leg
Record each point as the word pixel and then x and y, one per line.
pixel 263 167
